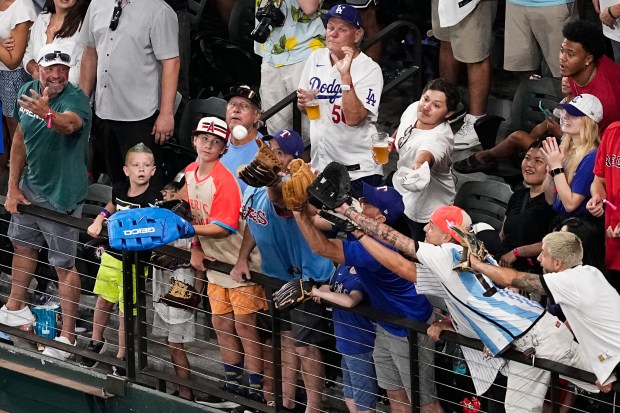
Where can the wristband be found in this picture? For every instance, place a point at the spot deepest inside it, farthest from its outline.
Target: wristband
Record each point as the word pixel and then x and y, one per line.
pixel 346 87
pixel 515 252
pixel 556 171
pixel 49 117
pixel 611 14
pixel 360 237
pixel 105 213
pixel 195 244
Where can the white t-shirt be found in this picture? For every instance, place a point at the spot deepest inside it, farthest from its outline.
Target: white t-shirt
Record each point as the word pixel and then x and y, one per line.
pixel 331 138
pixel 439 141
pixel 38 39
pixel 18 12
pixel 592 307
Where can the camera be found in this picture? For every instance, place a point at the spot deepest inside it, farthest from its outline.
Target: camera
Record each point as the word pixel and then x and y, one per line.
pixel 268 17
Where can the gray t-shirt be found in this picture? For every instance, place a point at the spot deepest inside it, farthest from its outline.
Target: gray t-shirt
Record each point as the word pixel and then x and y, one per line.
pixel 129 58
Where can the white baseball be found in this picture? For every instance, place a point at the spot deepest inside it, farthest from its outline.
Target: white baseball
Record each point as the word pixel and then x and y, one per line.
pixel 239 132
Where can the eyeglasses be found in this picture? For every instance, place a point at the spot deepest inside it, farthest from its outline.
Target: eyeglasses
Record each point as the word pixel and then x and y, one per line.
pixel 116 16
pixel 50 57
pixel 242 106
pixel 406 135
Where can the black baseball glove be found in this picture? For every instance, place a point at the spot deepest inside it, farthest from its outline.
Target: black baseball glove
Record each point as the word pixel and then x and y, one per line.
pixel 293 293
pixel 331 188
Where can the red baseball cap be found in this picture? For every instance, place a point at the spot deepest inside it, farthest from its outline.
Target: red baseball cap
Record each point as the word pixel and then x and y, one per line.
pixel 448 215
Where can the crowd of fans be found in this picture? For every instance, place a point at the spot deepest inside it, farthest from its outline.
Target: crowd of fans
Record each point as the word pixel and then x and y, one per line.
pixel 126 59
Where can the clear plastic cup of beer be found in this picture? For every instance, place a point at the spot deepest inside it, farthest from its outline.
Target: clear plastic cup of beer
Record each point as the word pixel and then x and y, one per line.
pixel 312 109
pixel 380 147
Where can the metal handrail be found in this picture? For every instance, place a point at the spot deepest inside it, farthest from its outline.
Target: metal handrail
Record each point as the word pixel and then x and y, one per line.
pixel 271 284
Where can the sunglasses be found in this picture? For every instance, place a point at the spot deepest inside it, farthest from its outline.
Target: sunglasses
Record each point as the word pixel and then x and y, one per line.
pixel 244 92
pixel 50 57
pixel 116 16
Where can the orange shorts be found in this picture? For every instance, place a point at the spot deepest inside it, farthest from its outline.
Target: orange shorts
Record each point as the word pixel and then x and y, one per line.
pixel 240 300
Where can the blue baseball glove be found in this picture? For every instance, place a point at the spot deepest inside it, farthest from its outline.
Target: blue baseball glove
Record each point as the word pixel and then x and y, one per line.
pixel 146 228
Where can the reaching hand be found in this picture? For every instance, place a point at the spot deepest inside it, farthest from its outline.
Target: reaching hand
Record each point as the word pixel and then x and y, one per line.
pixel 37 104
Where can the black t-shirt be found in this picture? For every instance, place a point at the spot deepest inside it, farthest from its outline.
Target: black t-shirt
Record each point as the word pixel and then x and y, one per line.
pixel 527 222
pixel 122 201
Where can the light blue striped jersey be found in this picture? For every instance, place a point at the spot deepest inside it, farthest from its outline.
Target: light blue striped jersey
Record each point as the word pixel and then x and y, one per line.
pixel 497 320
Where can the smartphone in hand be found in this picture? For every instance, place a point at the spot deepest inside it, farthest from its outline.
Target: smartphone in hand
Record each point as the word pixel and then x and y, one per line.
pixel 545 110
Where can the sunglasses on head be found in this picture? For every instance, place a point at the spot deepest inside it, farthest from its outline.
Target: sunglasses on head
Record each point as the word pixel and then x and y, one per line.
pixel 244 92
pixel 50 57
pixel 116 16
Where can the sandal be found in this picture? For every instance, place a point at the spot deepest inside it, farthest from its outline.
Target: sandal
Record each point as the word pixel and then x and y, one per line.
pixel 470 165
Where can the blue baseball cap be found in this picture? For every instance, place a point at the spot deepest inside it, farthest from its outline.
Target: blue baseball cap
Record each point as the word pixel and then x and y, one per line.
pixel 387 199
pixel 344 12
pixel 290 142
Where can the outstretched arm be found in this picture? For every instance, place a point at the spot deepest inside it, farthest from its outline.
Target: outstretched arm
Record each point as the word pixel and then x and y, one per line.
pixel 390 259
pixel 379 230
pixel 508 276
pixel 320 244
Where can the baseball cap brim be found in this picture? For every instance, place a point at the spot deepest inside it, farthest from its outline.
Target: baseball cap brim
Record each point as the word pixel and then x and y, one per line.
pixel 572 110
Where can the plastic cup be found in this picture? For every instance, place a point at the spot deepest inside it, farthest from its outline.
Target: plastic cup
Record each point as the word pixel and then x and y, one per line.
pixel 312 109
pixel 380 147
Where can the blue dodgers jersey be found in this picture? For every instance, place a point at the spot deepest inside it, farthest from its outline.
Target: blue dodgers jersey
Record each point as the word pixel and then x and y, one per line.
pixel 355 334
pixel 280 239
pixel 497 320
pixel 387 291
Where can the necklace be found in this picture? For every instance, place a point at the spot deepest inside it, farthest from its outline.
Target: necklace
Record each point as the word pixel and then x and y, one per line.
pixel 589 80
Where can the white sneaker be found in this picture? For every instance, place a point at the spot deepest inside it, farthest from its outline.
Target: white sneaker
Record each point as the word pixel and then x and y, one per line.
pixel 59 354
pixel 18 318
pixel 466 137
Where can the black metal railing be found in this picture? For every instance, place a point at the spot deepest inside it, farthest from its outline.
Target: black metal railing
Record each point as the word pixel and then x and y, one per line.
pixel 138 341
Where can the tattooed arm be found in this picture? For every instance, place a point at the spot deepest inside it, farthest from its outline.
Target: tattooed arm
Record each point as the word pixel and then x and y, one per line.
pixel 508 276
pixel 380 231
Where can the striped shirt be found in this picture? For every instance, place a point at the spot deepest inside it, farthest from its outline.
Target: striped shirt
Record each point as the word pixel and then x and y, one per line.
pixel 496 320
pixel 483 369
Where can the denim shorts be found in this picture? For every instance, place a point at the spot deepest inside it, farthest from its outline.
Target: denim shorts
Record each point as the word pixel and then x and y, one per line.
pixel 359 380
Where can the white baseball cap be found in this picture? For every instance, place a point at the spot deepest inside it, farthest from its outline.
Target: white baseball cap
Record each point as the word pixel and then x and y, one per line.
pixel 213 126
pixel 54 54
pixel 585 105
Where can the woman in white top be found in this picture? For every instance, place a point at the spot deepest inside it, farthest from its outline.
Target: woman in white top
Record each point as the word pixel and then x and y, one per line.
pixel 16 16
pixel 59 22
pixel 424 140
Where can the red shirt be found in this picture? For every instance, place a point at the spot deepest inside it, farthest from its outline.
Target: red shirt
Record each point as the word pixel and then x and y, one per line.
pixel 605 85
pixel 607 166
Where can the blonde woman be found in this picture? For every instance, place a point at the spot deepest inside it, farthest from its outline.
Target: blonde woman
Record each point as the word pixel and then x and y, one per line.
pixel 571 164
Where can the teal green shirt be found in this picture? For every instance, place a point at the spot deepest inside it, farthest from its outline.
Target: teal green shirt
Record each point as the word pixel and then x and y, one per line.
pixel 56 163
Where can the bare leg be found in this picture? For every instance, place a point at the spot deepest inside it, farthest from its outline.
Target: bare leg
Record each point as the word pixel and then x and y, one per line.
pixel 449 67
pixel 23 266
pixel 245 325
pixel 230 346
pixel 101 316
pixel 181 367
pixel 290 365
pixel 399 402
pixel 121 336
pixel 69 284
pixel 313 374
pixel 268 382
pixel 478 86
